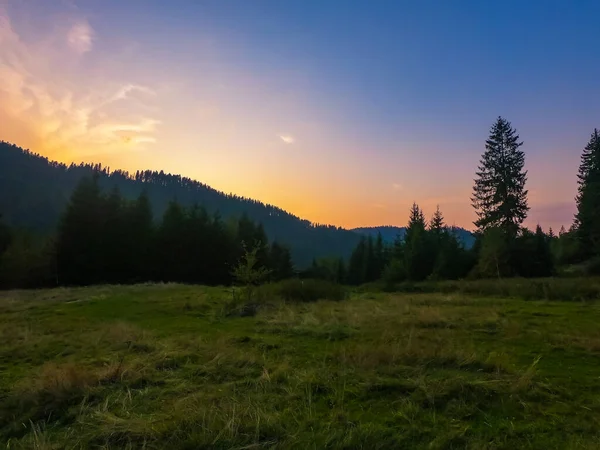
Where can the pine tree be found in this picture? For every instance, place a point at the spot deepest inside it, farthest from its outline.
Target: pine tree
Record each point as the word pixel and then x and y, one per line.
pixel 79 240
pixel 544 262
pixel 587 219
pixel 418 257
pixel 499 194
pixel 436 224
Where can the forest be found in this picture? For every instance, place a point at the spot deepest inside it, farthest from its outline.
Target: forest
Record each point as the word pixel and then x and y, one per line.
pixel 120 228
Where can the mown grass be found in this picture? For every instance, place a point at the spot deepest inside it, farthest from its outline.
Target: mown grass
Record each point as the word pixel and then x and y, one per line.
pixel 169 366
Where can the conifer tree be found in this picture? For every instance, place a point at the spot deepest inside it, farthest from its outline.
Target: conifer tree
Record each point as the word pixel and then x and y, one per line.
pixel 436 224
pixel 587 219
pixel 544 262
pixel 79 240
pixel 499 194
pixel 417 252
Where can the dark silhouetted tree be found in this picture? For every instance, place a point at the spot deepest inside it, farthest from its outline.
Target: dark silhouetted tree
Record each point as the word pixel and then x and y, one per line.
pixel 499 194
pixel 418 257
pixel 587 219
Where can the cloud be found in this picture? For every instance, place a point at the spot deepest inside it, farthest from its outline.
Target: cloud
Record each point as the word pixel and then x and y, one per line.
pixel 397 187
pixel 379 206
pixel 287 138
pixel 73 109
pixel 124 91
pixel 80 37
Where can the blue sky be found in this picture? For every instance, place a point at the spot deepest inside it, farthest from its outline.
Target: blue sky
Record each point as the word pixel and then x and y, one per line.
pixel 342 112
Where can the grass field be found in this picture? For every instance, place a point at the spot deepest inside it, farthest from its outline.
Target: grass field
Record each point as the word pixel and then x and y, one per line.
pixel 168 366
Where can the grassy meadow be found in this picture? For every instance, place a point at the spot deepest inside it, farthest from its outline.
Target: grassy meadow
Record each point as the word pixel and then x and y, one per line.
pixel 178 367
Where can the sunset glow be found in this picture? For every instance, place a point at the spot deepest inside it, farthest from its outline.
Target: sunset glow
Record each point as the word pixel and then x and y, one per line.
pixel 346 125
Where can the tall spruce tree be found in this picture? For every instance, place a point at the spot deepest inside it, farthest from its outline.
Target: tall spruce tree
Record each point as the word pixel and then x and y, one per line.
pixel 499 194
pixel 587 219
pixel 418 257
pixel 436 224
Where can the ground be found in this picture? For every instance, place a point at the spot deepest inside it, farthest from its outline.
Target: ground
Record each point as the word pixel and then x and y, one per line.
pixel 170 366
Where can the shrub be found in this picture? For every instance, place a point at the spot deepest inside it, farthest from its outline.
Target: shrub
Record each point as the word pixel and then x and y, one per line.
pixel 296 290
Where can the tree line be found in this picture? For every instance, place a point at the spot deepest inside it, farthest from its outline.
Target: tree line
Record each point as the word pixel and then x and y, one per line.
pixel 104 238
pixel 503 246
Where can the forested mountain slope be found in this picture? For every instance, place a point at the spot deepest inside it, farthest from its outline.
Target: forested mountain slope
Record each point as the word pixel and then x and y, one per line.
pixel 34 192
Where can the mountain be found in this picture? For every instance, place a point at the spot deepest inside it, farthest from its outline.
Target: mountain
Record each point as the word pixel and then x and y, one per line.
pixel 389 234
pixel 34 192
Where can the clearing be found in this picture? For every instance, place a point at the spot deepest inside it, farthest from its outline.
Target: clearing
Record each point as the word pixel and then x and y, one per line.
pixel 166 366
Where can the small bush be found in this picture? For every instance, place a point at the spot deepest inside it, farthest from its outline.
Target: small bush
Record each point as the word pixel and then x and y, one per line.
pixel 295 290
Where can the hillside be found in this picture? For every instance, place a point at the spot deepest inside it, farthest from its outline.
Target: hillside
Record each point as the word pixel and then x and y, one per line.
pixel 390 233
pixel 34 191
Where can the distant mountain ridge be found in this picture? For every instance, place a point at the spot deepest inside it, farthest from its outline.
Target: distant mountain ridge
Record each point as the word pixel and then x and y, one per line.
pixel 389 233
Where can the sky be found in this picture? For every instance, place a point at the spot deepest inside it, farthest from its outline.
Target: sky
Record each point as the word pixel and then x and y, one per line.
pixel 341 112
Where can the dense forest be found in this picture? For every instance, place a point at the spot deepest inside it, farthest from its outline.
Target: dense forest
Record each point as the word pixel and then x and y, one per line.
pixel 117 228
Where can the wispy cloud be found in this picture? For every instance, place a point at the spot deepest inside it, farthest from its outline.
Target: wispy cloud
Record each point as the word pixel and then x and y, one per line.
pixel 379 206
pixel 287 138
pixel 68 110
pixel 124 91
pixel 397 186
pixel 80 37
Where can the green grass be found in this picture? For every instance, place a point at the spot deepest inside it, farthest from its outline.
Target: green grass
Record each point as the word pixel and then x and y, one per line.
pixel 169 366
pixel 559 288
